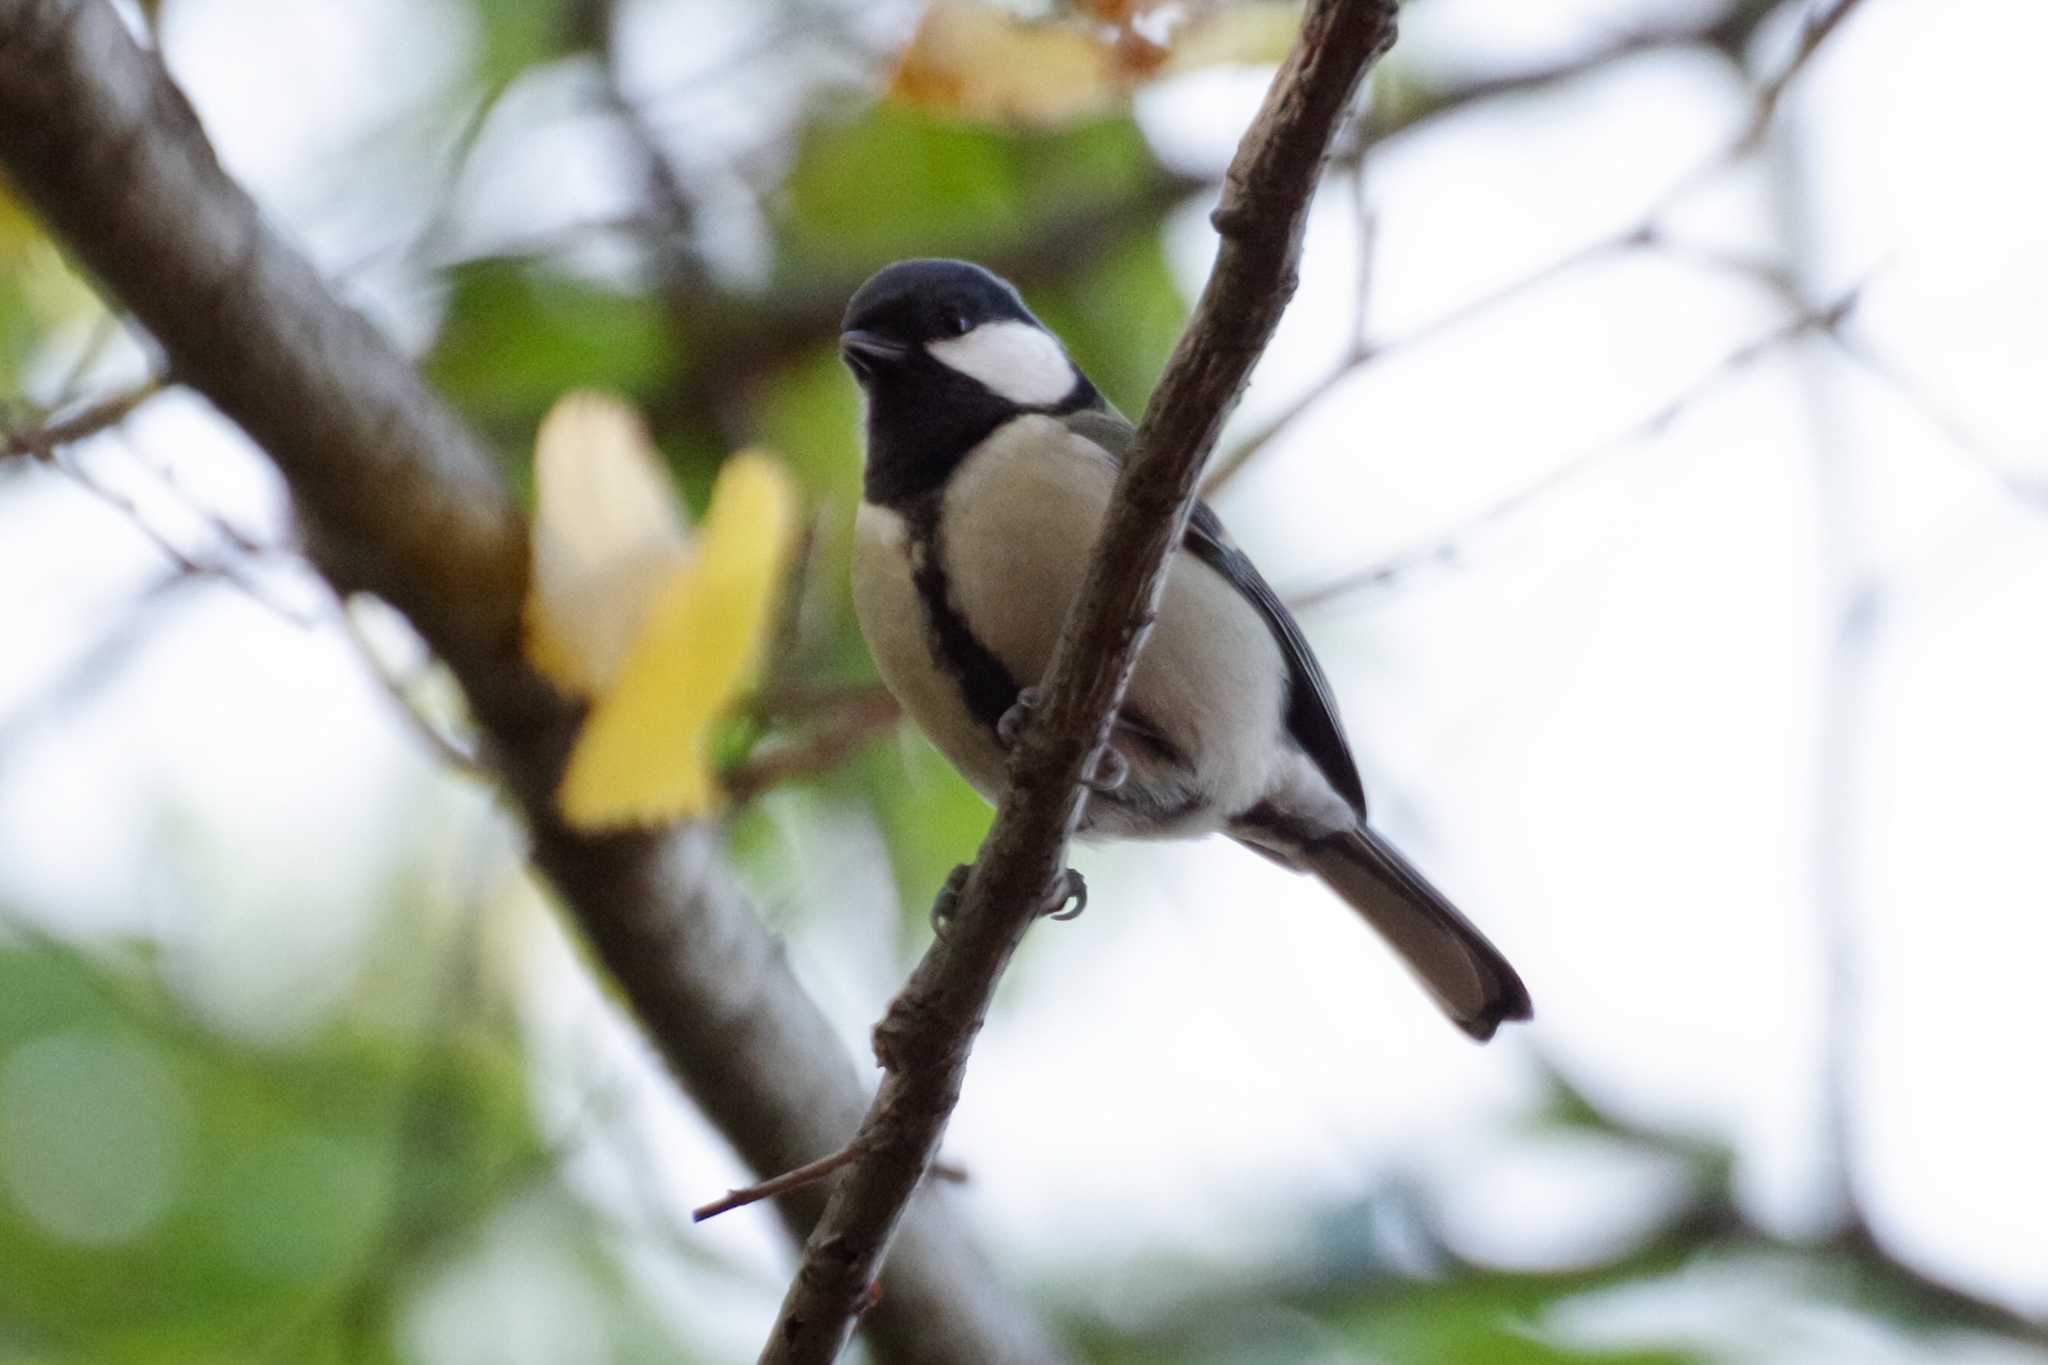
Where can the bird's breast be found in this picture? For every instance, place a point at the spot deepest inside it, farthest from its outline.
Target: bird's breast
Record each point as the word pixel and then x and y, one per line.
pixel 962 598
pixel 889 601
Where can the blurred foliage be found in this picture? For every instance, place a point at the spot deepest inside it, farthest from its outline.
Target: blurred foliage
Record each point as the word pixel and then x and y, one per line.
pixel 950 189
pixel 169 1193
pixel 979 61
pixel 515 336
pixel 40 297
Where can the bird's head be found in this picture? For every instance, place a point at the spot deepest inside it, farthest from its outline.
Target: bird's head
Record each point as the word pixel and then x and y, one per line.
pixel 933 332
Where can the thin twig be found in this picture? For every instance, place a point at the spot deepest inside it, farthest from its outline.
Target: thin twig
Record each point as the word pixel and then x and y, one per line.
pixel 1645 234
pixel 1819 28
pixel 221 527
pixel 1769 96
pixel 1729 1229
pixel 455 753
pixel 800 703
pixel 924 1041
pixel 43 441
pixel 842 732
pixel 1440 548
pixel 673 211
pixel 105 328
pixel 1359 352
pixel 804 1176
pixel 230 568
pixel 46 446
pixel 1729 32
pixel 1364 353
pixel 1887 371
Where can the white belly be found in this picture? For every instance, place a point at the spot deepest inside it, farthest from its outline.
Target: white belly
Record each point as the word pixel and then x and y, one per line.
pixel 892 617
pixel 1031 500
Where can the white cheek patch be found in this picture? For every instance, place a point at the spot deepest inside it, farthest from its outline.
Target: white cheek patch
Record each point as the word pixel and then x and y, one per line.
pixel 1013 360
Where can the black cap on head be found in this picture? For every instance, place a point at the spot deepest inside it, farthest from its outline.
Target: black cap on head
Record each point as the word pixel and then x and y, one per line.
pixel 912 302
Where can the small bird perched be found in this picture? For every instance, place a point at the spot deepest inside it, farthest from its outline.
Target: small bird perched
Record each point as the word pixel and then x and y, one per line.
pixel 990 461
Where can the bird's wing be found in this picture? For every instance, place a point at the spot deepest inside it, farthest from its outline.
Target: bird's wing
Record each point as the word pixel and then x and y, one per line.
pixel 1311 709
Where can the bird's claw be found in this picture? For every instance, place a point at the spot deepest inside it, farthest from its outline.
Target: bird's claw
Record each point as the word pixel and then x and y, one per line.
pixel 949 898
pixel 1010 727
pixel 1107 770
pixel 1068 898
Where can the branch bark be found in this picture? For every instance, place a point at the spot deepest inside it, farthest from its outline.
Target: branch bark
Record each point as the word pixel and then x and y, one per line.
pixel 924 1041
pixel 400 499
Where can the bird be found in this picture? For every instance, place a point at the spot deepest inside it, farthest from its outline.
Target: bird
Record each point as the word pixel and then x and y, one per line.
pixel 990 459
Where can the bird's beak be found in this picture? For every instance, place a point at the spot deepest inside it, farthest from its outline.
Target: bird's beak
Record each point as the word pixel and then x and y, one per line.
pixel 864 350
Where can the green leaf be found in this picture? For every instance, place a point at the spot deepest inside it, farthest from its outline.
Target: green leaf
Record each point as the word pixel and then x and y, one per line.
pixel 1473 1328
pixel 1122 318
pixel 516 336
pixel 893 183
pixel 517 34
pixel 931 819
pixel 811 416
pixel 229 1192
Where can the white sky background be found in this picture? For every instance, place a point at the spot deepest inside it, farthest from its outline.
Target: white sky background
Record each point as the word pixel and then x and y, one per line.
pixel 1601 729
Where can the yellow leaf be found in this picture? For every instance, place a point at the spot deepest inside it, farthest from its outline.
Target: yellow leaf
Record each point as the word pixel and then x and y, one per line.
pixel 970 61
pixel 644 754
pixel 606 537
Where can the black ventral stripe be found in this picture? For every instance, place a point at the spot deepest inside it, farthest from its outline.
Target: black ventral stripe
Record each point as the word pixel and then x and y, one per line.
pixel 989 689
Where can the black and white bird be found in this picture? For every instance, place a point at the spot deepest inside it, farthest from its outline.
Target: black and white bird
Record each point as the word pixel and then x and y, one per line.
pixel 990 459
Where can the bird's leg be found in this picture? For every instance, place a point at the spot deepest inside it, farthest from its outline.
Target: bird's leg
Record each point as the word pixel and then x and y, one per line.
pixel 1068 898
pixel 949 898
pixel 1011 727
pixel 1107 769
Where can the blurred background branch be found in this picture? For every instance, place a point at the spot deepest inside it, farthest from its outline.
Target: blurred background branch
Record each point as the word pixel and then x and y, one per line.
pixel 111 153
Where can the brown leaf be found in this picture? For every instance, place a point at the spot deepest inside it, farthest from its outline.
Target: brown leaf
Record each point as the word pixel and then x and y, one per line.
pixel 979 63
pixel 976 61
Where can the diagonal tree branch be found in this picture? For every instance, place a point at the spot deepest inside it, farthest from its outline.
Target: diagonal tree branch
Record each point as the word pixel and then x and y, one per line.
pixel 924 1041
pixel 400 499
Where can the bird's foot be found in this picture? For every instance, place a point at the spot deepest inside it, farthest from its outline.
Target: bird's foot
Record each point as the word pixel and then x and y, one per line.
pixel 1010 728
pixel 949 898
pixel 1068 898
pixel 1107 770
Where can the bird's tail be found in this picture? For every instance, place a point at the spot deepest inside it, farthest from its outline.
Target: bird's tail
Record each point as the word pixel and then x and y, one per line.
pixel 1467 975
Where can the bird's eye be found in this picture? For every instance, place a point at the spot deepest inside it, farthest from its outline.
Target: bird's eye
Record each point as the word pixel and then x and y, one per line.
pixel 955 321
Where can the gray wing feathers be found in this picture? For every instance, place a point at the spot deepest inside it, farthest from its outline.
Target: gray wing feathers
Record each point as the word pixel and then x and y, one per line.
pixel 1105 426
pixel 1311 709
